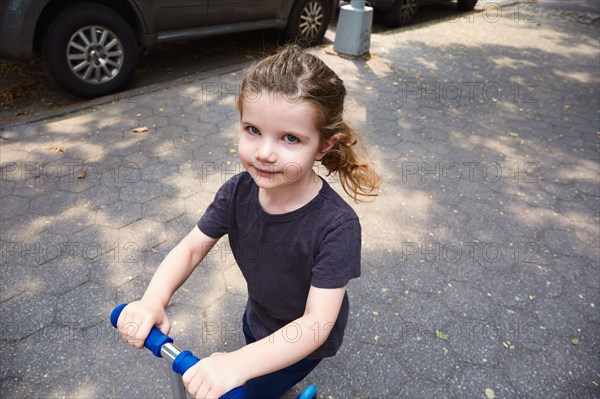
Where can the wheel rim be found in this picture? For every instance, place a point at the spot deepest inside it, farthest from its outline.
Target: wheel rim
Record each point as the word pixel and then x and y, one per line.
pixel 95 54
pixel 408 9
pixel 311 20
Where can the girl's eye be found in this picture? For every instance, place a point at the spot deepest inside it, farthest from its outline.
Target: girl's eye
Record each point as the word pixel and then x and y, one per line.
pixel 290 138
pixel 252 130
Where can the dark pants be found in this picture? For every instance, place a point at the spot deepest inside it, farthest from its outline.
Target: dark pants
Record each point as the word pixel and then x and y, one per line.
pixel 274 385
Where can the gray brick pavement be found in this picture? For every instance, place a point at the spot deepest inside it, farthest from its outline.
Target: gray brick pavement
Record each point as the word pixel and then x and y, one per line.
pixel 480 257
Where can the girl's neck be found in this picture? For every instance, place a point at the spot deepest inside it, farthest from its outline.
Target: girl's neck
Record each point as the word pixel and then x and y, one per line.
pixel 290 197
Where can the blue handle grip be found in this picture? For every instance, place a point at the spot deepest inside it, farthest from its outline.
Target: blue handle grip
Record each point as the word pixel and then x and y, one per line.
pixel 184 361
pixel 156 339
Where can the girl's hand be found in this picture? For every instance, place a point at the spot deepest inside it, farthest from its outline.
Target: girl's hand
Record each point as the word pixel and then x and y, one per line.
pixel 138 318
pixel 214 376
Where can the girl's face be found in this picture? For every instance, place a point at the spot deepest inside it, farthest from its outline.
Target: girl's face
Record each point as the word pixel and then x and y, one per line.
pixel 279 141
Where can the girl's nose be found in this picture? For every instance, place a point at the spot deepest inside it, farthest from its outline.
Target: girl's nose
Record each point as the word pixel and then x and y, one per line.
pixel 265 153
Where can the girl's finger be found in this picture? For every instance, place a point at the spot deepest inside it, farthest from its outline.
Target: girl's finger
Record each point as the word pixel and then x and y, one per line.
pixel 194 387
pixel 203 392
pixel 189 375
pixel 165 326
pixel 143 329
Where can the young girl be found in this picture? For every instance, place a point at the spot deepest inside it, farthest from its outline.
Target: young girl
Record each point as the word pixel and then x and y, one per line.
pixel 296 241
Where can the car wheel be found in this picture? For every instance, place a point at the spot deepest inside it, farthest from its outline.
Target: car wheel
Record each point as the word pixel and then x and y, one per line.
pixel 401 13
pixel 308 21
pixel 90 50
pixel 466 5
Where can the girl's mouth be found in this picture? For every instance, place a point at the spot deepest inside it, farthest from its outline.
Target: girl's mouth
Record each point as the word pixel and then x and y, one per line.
pixel 265 173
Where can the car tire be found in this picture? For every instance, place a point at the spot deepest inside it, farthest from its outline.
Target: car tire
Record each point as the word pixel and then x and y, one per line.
pixel 401 13
pixel 90 50
pixel 308 21
pixel 466 5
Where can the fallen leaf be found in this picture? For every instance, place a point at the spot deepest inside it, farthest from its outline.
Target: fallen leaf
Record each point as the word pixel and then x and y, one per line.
pixel 330 51
pixel 57 148
pixel 513 134
pixel 81 175
pixel 441 335
pixel 142 129
pixel 508 345
pixel 575 341
pixel 232 150
pixel 384 290
pixel 489 393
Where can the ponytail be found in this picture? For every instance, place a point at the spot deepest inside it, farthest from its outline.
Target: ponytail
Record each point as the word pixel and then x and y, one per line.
pixel 357 175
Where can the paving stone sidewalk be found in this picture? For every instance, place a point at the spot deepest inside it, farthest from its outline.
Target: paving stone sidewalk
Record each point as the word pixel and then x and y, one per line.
pixel 481 267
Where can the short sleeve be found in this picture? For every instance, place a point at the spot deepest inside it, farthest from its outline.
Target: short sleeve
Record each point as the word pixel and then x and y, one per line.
pixel 214 222
pixel 338 257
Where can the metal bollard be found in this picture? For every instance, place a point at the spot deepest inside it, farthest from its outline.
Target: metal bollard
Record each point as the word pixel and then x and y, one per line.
pixel 353 33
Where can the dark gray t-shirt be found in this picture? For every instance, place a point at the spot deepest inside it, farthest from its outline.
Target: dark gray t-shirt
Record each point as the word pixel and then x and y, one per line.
pixel 282 255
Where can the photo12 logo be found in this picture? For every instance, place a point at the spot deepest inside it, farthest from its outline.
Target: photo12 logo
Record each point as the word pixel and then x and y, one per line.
pixel 492 12
pixel 290 171
pixel 471 252
pixel 469 92
pixel 470 172
pixel 37 253
pixel 506 335
pixel 70 171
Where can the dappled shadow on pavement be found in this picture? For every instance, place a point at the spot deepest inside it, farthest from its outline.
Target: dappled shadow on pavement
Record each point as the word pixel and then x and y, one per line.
pixel 480 258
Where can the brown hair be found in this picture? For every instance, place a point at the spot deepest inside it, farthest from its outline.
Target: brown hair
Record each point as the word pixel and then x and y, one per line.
pixel 299 76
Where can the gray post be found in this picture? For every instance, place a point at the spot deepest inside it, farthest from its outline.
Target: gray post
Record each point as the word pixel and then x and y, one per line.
pixel 353 33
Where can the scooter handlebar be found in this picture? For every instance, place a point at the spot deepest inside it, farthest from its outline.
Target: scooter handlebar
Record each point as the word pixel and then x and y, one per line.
pixel 185 360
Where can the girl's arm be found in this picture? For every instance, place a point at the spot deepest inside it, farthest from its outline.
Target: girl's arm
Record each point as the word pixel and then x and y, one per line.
pixel 218 374
pixel 138 318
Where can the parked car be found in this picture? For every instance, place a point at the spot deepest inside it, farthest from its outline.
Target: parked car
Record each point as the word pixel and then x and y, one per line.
pixel 91 46
pixel 401 12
